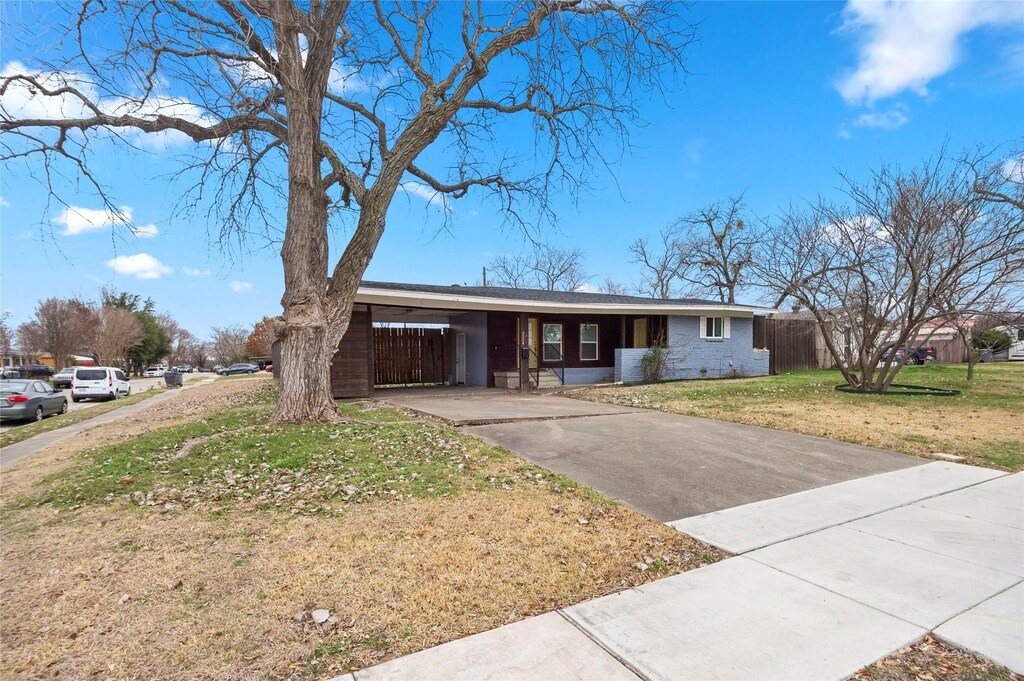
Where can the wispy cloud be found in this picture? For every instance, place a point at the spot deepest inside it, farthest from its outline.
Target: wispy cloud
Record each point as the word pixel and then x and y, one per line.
pixel 905 45
pixel 145 231
pixel 885 120
pixel 140 266
pixel 78 220
pixel 424 192
pixel 4 203
pixel 194 272
pixel 240 286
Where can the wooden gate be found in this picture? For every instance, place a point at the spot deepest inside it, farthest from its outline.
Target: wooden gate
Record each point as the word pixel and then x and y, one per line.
pixel 791 343
pixel 411 356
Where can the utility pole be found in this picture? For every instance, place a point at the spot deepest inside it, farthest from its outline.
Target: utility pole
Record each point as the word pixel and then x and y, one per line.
pixel 485 276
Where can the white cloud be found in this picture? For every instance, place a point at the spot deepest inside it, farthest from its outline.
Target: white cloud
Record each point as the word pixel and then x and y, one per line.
pixel 424 192
pixel 240 286
pixel 4 203
pixel 885 120
pixel 140 266
pixel 194 272
pixel 905 45
pixel 145 231
pixel 23 101
pixel 78 220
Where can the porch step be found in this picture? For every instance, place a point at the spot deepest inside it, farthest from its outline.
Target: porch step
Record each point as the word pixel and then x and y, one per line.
pixel 548 379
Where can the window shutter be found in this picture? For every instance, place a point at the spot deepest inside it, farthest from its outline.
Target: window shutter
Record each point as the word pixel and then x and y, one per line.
pixel 725 327
pixel 703 327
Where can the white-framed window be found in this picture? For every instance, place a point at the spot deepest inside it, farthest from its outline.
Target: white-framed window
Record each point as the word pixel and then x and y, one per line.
pixel 714 328
pixel 552 337
pixel 588 342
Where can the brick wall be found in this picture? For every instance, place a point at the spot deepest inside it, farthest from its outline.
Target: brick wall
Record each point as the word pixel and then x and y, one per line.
pixel 688 352
pixel 627 365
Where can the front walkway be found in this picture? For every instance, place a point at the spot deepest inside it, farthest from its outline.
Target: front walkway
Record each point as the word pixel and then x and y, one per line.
pixel 828 581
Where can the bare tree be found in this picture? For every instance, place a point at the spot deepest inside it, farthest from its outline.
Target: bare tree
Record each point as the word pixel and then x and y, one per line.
pixel 614 288
pixel 227 344
pixel 197 353
pixel 512 271
pixel 716 248
pixel 661 264
pixel 6 337
pixel 61 327
pixel 545 267
pixel 913 247
pixel 117 330
pixel 180 338
pixel 331 106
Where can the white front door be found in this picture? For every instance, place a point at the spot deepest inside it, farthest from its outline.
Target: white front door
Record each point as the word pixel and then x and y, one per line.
pixel 460 358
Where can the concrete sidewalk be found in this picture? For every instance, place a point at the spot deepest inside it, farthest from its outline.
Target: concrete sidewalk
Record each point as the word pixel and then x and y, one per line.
pixel 830 580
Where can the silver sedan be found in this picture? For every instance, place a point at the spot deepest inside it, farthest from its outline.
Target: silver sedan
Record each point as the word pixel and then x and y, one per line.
pixel 28 400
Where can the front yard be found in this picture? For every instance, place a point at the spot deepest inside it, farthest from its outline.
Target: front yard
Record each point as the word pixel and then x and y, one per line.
pixel 982 424
pixel 195 540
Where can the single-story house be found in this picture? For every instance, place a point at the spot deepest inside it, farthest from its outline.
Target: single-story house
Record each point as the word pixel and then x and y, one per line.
pixel 522 338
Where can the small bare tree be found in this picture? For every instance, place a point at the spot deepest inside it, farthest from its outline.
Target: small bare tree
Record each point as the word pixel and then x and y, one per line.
pixel 716 248
pixel 61 327
pixel 545 267
pixel 227 344
pixel 913 247
pixel 661 264
pixel 330 106
pixel 117 330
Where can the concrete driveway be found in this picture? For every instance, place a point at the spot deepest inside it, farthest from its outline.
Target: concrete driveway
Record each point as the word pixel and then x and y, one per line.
pixel 666 466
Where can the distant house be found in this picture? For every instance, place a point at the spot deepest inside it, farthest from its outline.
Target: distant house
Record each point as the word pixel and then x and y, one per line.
pixel 522 338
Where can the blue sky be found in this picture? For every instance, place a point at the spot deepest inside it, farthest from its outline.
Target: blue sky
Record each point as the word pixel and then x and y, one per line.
pixel 779 96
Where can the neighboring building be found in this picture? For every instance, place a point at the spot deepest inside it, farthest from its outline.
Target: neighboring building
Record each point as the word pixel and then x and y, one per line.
pixel 1014 353
pixel 491 336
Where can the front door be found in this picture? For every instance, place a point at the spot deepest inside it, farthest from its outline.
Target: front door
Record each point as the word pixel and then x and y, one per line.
pixel 460 358
pixel 640 332
pixel 534 340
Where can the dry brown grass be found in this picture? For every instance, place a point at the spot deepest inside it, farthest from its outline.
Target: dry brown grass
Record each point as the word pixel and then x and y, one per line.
pixel 213 595
pixel 983 424
pixel 932 660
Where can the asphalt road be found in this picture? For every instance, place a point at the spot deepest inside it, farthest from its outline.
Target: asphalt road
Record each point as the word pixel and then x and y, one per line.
pixel 138 385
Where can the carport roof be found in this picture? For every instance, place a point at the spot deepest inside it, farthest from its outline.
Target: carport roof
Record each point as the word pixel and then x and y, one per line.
pixel 496 298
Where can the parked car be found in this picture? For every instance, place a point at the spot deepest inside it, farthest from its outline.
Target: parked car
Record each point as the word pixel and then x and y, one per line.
pixel 26 399
pixel 153 372
pixel 917 355
pixel 28 371
pixel 183 369
pixel 62 379
pixel 269 367
pixel 105 383
pixel 242 368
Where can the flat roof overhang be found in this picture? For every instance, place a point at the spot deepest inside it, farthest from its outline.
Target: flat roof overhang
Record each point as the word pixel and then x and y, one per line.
pixel 451 304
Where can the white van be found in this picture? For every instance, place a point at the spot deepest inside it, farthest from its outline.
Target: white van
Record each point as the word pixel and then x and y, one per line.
pixel 104 383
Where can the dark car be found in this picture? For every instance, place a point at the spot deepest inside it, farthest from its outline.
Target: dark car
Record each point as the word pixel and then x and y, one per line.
pixel 25 399
pixel 914 355
pixel 29 371
pixel 239 369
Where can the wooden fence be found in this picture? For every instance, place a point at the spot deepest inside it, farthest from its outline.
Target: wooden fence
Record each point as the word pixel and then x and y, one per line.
pixel 408 356
pixel 792 343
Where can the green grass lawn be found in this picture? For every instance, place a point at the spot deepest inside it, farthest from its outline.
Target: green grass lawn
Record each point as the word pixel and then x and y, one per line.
pixel 982 424
pixel 9 437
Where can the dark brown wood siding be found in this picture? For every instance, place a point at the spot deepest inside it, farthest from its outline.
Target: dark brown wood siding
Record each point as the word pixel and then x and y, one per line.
pixel 792 343
pixel 502 344
pixel 351 368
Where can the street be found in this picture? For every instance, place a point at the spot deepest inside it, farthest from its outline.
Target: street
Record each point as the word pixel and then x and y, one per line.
pixel 138 385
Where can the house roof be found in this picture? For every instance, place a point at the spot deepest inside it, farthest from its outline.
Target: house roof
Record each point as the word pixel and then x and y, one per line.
pixel 497 298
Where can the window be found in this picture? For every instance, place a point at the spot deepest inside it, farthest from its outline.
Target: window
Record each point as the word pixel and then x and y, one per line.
pixel 588 342
pixel 552 336
pixel 714 327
